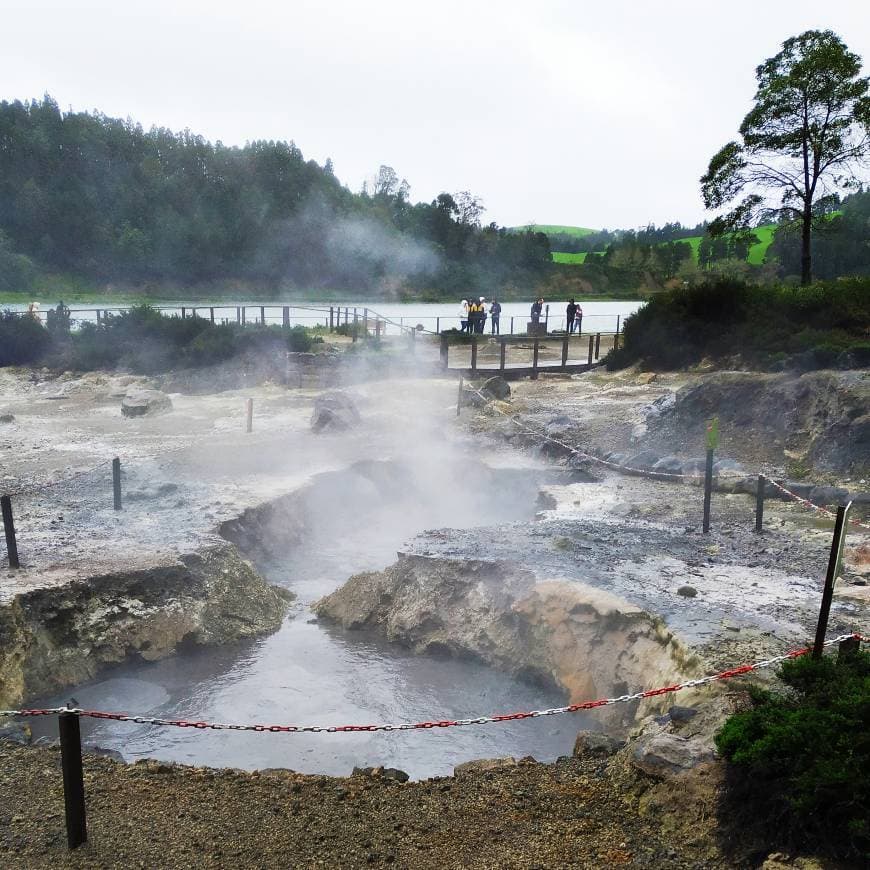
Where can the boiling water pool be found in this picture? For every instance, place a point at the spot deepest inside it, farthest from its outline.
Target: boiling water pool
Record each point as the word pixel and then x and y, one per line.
pixel 312 673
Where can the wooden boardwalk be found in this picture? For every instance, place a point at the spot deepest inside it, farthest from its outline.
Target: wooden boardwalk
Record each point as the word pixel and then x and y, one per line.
pixel 515 357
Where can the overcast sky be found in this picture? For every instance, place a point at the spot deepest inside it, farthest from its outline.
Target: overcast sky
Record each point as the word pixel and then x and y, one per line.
pixel 600 114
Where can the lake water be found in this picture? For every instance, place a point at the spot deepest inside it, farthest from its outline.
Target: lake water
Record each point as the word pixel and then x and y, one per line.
pixel 597 316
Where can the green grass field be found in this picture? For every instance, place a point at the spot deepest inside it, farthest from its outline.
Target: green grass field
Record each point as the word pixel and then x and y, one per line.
pixel 569 258
pixel 555 229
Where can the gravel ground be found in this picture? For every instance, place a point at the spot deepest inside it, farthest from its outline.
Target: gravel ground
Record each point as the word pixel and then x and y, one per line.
pixel 567 814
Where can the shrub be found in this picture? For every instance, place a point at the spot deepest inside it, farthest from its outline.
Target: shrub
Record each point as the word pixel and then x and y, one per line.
pixel 22 339
pixel 801 761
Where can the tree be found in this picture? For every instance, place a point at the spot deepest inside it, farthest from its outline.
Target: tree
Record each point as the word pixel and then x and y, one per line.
pixel 807 136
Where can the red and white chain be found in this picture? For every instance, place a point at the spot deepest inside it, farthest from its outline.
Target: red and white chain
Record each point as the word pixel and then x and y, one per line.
pixel 442 723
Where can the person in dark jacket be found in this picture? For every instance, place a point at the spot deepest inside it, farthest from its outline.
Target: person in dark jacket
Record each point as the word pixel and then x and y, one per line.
pixel 570 311
pixel 537 308
pixel 494 315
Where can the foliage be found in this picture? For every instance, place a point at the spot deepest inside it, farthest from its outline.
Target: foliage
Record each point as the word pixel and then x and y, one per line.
pixel 802 761
pixel 820 325
pixel 88 195
pixel 22 339
pixel 803 140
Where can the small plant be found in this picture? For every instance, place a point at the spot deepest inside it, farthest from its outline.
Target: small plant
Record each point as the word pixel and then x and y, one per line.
pixel 801 761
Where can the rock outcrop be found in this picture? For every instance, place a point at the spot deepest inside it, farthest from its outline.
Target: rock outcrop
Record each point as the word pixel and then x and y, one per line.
pixel 584 640
pixel 335 411
pixel 58 636
pixel 141 403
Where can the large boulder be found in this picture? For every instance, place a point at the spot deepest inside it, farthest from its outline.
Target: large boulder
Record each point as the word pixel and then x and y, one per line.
pixel 666 755
pixel 497 387
pixel 145 403
pixel 335 411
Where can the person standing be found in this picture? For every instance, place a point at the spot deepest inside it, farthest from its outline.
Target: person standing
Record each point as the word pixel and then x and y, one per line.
pixel 473 309
pixel 463 316
pixel 494 316
pixel 481 320
pixel 570 311
pixel 537 308
pixel 578 319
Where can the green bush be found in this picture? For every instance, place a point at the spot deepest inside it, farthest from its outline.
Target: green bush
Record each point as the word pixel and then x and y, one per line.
pixel 801 761
pixel 22 339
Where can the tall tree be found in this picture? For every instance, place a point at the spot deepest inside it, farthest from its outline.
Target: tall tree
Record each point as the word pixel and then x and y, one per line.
pixel 807 136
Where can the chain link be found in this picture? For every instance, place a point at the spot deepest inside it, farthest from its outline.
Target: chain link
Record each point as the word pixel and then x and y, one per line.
pixel 442 723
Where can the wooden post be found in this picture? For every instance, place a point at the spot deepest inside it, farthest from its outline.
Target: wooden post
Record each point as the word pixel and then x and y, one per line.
pixel 591 343
pixel 9 528
pixel 437 326
pixel 501 354
pixel 443 351
pixel 285 315
pixel 708 489
pixel 831 578
pixel 116 482
pixel 249 412
pixel 546 318
pixel 512 326
pixel 262 315
pixel 331 321
pixel 564 351
pixel 211 314
pixel 759 504
pixel 365 323
pixel 616 341
pixel 345 316
pixel 73 779
pixel 459 397
pixel 98 317
pixel 618 316
pixel 473 355
pixel 535 359
pixel 243 314
pixel 355 326
pixel 597 344
pixel 183 312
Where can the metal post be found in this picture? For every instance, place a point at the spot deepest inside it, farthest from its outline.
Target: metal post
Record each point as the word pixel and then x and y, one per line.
pixel 9 528
pixel 564 351
pixel 535 359
pixel 459 397
pixel 597 344
pixel 708 490
pixel 591 343
pixel 249 425
pixel 116 482
pixel 501 354
pixel 73 779
pixel 831 578
pixel 759 504
pixel 473 355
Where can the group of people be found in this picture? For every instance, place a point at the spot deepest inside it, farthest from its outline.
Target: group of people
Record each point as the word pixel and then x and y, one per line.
pixel 472 316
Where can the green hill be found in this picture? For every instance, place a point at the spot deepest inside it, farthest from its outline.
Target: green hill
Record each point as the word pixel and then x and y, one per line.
pixel 555 229
pixel 569 258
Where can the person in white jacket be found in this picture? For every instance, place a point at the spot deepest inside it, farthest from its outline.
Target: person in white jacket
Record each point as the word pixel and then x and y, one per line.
pixel 463 316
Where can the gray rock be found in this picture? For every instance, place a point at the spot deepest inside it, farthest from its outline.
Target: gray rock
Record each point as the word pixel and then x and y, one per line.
pixel 16 732
pixel 335 411
pixel 681 714
pixel 669 465
pixel 93 749
pixel 141 403
pixel 392 773
pixel 596 744
pixel 664 756
pixel 497 387
pixel 728 467
pixel 828 495
pixel 484 765
pixel 687 591
pixel 7 418
pixel 644 460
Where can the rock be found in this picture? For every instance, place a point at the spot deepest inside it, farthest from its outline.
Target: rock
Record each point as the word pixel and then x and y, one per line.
pixel 92 749
pixel 559 426
pixel 681 714
pixel 7 418
pixel 645 378
pixel 645 460
pixel 826 495
pixel 16 732
pixel 687 591
pixel 639 432
pixel 728 467
pixel 483 765
pixel 335 411
pixel 497 387
pixel 669 465
pixel 392 773
pixel 141 403
pixel 664 755
pixel 596 744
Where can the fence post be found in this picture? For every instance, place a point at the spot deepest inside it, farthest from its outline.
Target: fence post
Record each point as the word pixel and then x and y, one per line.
pixel 262 315
pixel 244 314
pixel 211 314
pixel 459 397
pixel 473 355
pixel 442 351
pixel 116 482
pixel 365 323
pixel 616 341
pixel 501 354
pixel 617 323
pixel 249 413
pixel 848 648
pixel 9 528
pixel 535 359
pixel 512 326
pixel 759 504
pixel 591 343
pixel 597 345
pixel 546 318
pixel 708 489
pixel 437 326
pixel 73 779
pixel 355 326
pixel 564 351
pixel 331 322
pixel 831 578
pixel 183 312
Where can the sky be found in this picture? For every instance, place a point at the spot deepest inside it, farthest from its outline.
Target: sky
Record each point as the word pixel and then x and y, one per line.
pixel 590 114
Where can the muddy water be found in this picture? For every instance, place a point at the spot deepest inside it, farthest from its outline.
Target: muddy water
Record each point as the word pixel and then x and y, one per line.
pixel 311 673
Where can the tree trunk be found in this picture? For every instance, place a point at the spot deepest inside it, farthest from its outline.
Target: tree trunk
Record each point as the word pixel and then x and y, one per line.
pixel 806 256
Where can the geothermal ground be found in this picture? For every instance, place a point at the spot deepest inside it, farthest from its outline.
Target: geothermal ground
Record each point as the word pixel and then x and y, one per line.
pixel 515 561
